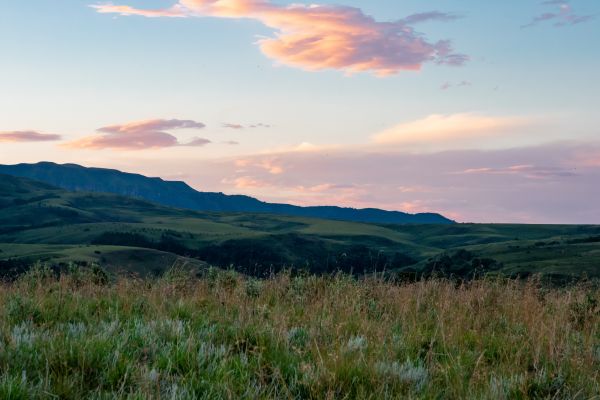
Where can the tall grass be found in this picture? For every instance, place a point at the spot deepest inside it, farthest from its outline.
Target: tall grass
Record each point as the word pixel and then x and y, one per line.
pixel 227 337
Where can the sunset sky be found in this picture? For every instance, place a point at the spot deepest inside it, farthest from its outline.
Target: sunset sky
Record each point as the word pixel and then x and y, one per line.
pixel 484 111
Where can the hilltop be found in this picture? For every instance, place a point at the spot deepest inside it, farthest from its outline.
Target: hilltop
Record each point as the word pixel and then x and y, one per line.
pixel 180 195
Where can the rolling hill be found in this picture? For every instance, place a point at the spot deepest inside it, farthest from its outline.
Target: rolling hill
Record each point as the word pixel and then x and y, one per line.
pixel 39 222
pixel 35 213
pixel 180 195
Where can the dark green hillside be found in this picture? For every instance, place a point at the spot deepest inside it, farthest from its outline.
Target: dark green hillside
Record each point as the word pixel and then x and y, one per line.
pixel 39 222
pixel 33 213
pixel 180 195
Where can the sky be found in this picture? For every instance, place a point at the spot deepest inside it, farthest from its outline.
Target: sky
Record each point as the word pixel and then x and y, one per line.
pixel 484 111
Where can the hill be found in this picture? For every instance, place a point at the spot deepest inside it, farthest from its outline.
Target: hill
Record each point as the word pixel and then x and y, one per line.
pixel 34 213
pixel 180 195
pixel 41 222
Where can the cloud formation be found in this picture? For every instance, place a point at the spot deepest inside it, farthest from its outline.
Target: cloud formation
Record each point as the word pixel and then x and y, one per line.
pixel 197 142
pixel 246 182
pixel 240 126
pixel 319 37
pixel 140 135
pixel 563 15
pixel 27 136
pixel 176 11
pixel 270 164
pixel 448 85
pixel 525 171
pixel 233 126
pixel 438 128
pixel 550 183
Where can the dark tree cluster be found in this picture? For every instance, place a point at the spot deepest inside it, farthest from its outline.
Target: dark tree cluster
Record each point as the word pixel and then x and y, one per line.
pixel 270 254
pixel 461 264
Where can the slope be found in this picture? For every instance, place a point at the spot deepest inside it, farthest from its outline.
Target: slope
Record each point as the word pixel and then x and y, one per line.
pixel 179 194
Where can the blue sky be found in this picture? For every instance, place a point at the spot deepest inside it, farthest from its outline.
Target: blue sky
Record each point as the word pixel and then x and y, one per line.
pixel 69 70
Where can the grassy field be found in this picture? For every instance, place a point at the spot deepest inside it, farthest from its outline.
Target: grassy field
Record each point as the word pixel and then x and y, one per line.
pixel 224 336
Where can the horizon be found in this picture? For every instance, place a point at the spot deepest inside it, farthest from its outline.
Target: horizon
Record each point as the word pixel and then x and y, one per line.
pixel 478 113
pixel 164 180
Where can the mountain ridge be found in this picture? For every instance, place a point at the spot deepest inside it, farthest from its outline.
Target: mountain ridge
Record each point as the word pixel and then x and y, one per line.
pixel 42 223
pixel 179 194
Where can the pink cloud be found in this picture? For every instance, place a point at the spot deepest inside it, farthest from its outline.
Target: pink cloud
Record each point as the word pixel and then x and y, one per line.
pixel 438 128
pixel 393 178
pixel 240 126
pixel 153 125
pixel 586 158
pixel 552 183
pixel 269 164
pixel 140 135
pixel 593 162
pixel 176 11
pixel 27 136
pixel 272 166
pixel 233 126
pixel 325 187
pixel 525 171
pixel 319 194
pixel 197 142
pixel 318 37
pixel 247 182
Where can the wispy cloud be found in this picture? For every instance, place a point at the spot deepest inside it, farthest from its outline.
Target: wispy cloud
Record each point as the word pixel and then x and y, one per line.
pixel 233 126
pixel 153 125
pixel 438 128
pixel 197 142
pixel 272 165
pixel 27 136
pixel 250 126
pixel 526 171
pixel 140 135
pixel 318 37
pixel 429 16
pixel 176 11
pixel 562 16
pixel 246 182
pixel 449 85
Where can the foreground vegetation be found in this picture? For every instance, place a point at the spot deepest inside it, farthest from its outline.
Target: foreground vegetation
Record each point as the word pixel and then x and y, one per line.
pixel 225 336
